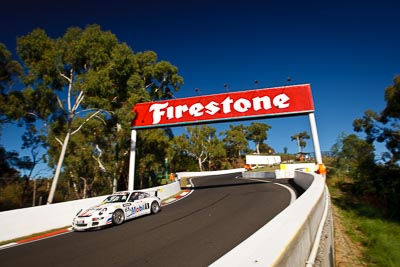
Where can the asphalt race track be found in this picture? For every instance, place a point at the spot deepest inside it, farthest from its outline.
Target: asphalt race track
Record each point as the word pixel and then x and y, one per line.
pixel 195 231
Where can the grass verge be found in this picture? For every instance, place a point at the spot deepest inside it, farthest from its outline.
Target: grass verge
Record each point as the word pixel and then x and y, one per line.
pixel 377 238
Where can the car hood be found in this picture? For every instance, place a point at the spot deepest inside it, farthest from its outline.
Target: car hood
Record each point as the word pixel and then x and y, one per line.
pixel 97 208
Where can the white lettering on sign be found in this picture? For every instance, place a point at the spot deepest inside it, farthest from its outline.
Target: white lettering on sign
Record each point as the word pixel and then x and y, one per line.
pixel 242 105
pixel 197 110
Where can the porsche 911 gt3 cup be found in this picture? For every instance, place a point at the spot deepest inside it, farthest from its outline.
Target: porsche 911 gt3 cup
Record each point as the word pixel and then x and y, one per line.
pixel 116 209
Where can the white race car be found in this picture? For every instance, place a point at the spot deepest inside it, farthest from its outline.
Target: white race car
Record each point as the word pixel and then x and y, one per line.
pixel 116 209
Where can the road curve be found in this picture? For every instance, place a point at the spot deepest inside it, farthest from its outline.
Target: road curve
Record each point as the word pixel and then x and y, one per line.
pixel 220 213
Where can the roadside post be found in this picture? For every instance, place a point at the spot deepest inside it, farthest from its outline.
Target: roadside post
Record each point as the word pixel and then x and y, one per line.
pixel 166 170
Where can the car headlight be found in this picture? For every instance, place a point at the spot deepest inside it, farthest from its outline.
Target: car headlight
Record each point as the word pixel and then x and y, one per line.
pixel 78 212
pixel 102 211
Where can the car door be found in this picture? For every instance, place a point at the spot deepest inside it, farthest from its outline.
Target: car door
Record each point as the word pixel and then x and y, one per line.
pixel 138 205
pixel 130 207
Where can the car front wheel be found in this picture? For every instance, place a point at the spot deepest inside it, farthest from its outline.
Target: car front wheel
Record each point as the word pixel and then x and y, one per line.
pixel 118 217
pixel 155 207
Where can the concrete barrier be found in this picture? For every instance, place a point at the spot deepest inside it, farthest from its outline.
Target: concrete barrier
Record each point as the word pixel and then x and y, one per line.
pixel 198 174
pixel 289 238
pixel 28 221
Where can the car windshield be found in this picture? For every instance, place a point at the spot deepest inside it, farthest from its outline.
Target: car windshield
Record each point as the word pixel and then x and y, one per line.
pixel 120 197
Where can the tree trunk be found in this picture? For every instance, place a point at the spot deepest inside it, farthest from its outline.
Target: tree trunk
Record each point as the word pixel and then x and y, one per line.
pixel 298 144
pixel 59 165
pixel 200 164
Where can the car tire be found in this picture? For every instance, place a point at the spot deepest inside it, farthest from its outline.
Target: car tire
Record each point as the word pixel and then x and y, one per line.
pixel 118 217
pixel 155 207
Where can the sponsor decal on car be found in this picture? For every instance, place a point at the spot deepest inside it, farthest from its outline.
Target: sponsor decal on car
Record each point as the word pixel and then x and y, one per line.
pixel 135 209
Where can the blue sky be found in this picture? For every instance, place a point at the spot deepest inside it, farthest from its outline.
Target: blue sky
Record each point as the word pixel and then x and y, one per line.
pixel 347 50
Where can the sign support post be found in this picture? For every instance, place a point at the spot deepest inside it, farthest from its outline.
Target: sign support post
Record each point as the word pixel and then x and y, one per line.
pixel 314 133
pixel 131 180
pixel 166 170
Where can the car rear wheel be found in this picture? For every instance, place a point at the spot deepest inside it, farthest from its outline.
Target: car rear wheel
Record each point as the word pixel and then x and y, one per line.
pixel 155 207
pixel 118 217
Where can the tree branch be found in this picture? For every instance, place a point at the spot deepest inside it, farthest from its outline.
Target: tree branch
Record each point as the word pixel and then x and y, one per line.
pixel 59 102
pixel 88 119
pixel 78 101
pixel 69 79
pixel 65 77
pixel 59 141
pixel 101 166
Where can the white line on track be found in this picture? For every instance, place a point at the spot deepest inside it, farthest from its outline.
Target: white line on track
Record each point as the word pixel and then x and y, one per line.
pixel 291 191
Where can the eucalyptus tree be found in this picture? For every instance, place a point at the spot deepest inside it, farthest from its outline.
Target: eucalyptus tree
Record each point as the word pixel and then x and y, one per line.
pixel 88 74
pixel 89 160
pixel 300 139
pixel 10 69
pixel 235 140
pixel 201 143
pixel 11 104
pixel 355 157
pixel 384 127
pixel 381 181
pixel 266 149
pixel 152 146
pixel 257 132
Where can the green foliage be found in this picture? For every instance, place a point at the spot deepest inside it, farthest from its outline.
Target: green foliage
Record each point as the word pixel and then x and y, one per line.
pixel 152 148
pixel 300 138
pixel 235 140
pixel 352 155
pixel 392 98
pixel 11 196
pixel 264 148
pixel 8 170
pixel 384 127
pixel 202 144
pixel 382 242
pixel 369 227
pixel 9 68
pixel 379 185
pixel 82 86
pixel 257 132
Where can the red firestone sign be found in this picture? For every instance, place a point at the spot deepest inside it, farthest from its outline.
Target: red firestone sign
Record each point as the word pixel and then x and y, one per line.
pixel 245 105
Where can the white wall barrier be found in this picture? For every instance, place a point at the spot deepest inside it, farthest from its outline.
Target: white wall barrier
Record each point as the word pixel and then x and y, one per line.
pixel 28 221
pixel 289 238
pixel 23 222
pixel 198 174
